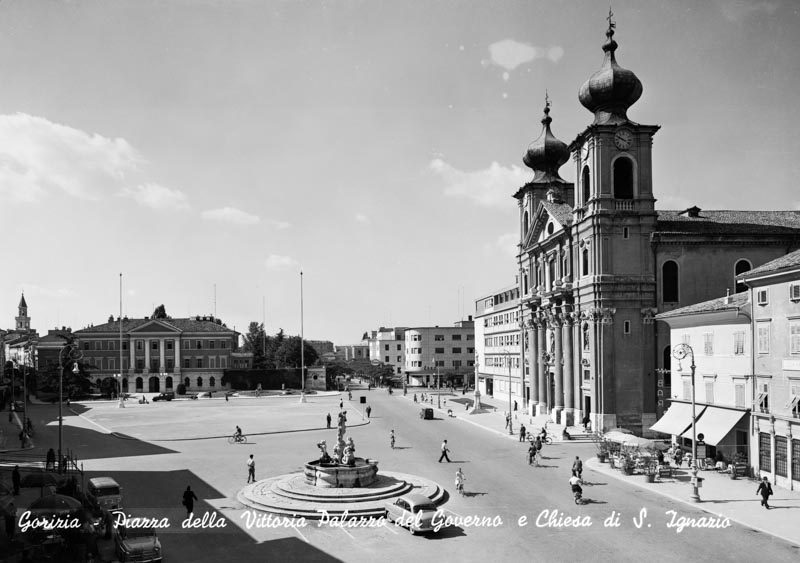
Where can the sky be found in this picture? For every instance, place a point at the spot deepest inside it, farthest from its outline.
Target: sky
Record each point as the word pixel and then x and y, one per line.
pixel 211 151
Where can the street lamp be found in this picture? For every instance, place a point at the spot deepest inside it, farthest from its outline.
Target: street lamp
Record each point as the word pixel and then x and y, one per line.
pixel 680 352
pixel 72 355
pixel 510 412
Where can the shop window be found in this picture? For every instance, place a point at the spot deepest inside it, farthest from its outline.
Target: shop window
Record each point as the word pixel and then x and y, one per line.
pixel 764 452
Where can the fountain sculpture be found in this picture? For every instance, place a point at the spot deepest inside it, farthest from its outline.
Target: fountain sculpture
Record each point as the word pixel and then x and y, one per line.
pixel 343 468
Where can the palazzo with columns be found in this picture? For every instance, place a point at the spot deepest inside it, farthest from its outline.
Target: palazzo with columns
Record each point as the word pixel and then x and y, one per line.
pixel 596 262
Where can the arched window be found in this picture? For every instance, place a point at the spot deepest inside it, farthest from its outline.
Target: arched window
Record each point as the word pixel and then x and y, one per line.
pixel 525 224
pixel 199 381
pixel 741 267
pixel 585 262
pixel 667 363
pixel 125 385
pixel 585 337
pixel 139 384
pixel 169 382
pixel 669 282
pixel 186 382
pixel 623 178
pixel 585 184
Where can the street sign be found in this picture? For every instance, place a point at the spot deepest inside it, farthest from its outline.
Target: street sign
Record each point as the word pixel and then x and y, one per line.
pixel 700 437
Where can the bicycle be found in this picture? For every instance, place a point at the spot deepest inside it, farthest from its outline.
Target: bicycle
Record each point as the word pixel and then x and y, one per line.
pixel 240 439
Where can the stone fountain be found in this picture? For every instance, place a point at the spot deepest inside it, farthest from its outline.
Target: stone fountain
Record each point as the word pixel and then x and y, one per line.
pixel 343 469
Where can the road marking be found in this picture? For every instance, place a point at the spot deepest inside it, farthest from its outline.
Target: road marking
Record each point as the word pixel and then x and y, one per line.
pixel 390 526
pixel 301 534
pixel 348 533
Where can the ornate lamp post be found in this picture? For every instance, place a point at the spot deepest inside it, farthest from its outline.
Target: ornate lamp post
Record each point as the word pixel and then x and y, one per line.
pixel 680 352
pixel 73 354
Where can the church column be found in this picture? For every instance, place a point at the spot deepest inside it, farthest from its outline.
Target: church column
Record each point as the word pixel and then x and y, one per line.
pixel 533 362
pixel 541 408
pixel 146 356
pixel 558 367
pixel 178 362
pixel 161 359
pixel 132 350
pixel 569 354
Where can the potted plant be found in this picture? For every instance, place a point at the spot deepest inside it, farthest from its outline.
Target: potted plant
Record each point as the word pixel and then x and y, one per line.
pixel 650 470
pixel 626 463
pixel 737 460
pixel 602 447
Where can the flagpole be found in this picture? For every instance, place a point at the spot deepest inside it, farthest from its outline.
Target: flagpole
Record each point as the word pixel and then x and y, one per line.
pixel 302 346
pixel 121 395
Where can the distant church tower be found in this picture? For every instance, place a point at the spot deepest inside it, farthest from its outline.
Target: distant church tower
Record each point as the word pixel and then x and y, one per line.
pixel 23 320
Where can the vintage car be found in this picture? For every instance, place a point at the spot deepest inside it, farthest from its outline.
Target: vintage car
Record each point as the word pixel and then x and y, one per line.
pixel 413 510
pixel 103 497
pixel 164 397
pixel 426 413
pixel 138 544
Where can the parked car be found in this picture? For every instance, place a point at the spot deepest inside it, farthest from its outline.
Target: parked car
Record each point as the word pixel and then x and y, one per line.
pixel 287 392
pixel 103 497
pixel 164 397
pixel 426 413
pixel 136 544
pixel 413 510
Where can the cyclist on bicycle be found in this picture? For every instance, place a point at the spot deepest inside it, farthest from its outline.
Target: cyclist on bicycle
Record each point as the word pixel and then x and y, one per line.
pixel 238 434
pixel 391 438
pixel 532 454
pixel 575 483
pixel 460 481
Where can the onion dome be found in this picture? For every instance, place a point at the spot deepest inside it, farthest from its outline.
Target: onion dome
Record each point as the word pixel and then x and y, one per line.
pixel 610 91
pixel 546 154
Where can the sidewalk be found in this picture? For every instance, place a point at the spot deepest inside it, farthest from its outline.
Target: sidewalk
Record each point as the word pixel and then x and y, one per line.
pixel 720 495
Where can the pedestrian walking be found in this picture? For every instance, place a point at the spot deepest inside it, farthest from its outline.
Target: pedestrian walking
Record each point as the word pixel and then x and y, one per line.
pixel 415 397
pixel 22 438
pixel 341 404
pixel 188 500
pixel 328 419
pixel 508 419
pixel 678 456
pixel 251 469
pixel 538 445
pixel 369 410
pixel 522 433
pixel 515 405
pixel 15 479
pixel 586 421
pixel 50 460
pixel 445 449
pixel 532 455
pixel 577 467
pixel 766 491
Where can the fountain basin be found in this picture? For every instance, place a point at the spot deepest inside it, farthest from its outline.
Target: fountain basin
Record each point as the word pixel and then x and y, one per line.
pixel 332 475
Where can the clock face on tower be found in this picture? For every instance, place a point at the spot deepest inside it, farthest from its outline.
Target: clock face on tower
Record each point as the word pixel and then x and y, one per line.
pixel 623 139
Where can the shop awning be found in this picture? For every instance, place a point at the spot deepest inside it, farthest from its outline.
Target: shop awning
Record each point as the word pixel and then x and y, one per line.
pixel 677 419
pixel 715 423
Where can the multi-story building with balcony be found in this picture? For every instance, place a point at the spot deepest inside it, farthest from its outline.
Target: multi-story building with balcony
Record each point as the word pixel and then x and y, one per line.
pixel 497 346
pixel 775 293
pixel 387 346
pixel 714 341
pixel 438 355
pixel 157 354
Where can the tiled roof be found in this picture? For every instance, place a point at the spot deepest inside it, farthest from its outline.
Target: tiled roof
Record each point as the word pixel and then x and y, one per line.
pixel 561 212
pixel 729 222
pixel 791 260
pixel 184 325
pixel 735 301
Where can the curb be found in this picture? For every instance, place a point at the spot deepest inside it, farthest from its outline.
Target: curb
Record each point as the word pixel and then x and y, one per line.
pixel 593 464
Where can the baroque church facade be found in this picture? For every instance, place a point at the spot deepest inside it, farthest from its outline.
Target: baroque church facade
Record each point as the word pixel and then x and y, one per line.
pixel 597 262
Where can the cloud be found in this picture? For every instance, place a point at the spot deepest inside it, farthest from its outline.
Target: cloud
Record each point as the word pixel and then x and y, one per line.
pixel 279 225
pixel 510 54
pixel 361 218
pixel 231 215
pixel 491 187
pixel 38 156
pixel 277 262
pixel 37 290
pixel 157 197
pixel 738 10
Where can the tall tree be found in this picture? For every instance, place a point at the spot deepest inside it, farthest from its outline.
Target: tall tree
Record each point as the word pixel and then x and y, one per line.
pixel 255 342
pixel 160 312
pixel 288 354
